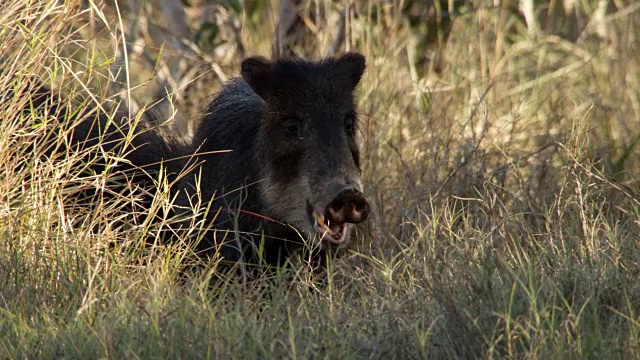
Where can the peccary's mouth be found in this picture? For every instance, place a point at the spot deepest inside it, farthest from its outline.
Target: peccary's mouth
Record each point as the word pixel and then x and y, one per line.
pixel 334 233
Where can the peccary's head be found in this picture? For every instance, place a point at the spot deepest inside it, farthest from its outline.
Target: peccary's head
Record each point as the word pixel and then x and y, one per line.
pixel 307 150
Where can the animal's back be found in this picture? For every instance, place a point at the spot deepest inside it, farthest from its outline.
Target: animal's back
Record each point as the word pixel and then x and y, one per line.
pixel 232 116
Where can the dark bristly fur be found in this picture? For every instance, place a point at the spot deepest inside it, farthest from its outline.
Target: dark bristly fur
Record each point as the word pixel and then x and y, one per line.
pixel 289 131
pixel 272 170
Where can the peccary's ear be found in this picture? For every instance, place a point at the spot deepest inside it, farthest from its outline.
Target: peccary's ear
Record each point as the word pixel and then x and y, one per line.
pixel 353 64
pixel 258 73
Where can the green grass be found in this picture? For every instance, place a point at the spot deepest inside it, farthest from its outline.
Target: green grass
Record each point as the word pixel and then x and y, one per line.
pixel 504 188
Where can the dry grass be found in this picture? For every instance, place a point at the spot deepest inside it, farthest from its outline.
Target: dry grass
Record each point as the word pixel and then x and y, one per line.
pixel 504 186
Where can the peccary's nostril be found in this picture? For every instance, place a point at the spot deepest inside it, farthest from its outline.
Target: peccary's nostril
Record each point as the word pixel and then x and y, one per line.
pixel 360 209
pixel 336 212
pixel 349 206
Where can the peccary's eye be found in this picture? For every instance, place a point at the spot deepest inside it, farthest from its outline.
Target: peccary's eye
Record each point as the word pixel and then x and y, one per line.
pixel 293 127
pixel 350 124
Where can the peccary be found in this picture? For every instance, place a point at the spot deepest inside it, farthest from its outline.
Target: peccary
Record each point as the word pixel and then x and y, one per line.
pixel 292 175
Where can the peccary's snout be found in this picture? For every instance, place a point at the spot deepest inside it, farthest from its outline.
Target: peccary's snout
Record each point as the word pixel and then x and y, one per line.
pixel 349 206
